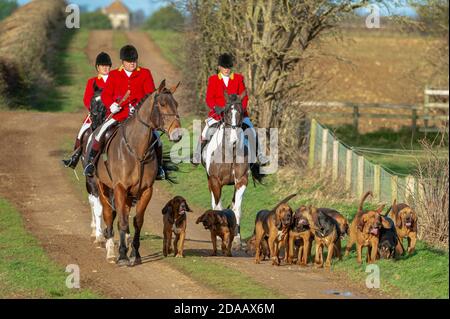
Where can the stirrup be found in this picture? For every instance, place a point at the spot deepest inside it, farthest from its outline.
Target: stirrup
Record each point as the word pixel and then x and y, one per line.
pixel 68 163
pixel 89 170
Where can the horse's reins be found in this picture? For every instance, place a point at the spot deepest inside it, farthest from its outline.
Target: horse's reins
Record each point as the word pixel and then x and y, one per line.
pixel 150 150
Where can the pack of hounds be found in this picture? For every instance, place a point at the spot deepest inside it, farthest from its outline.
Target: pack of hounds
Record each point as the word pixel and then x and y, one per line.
pixel 295 231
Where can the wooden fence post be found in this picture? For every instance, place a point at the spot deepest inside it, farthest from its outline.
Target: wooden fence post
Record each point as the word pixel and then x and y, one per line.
pixel 360 181
pixel 356 118
pixel 312 143
pixel 335 160
pixel 410 189
pixel 323 162
pixel 348 170
pixel 414 121
pixel 377 182
pixel 394 187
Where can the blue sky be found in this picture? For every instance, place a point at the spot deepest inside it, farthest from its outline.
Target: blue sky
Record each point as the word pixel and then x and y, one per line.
pixel 149 6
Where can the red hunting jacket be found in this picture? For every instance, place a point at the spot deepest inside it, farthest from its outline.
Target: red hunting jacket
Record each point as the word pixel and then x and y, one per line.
pixel 89 92
pixel 216 87
pixel 140 83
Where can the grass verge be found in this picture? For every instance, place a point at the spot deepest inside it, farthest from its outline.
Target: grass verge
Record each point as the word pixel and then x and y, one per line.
pixel 25 269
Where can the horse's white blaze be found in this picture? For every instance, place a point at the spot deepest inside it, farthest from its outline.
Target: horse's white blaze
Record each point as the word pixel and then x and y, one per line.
pixel 233 116
pixel 239 195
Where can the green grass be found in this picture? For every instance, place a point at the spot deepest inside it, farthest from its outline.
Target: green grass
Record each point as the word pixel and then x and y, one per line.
pixel 402 162
pixel 119 40
pixel 171 44
pixel 25 269
pixel 72 69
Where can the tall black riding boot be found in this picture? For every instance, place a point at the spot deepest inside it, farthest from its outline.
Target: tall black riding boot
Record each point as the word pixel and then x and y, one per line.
pixel 159 155
pixel 73 160
pixel 90 167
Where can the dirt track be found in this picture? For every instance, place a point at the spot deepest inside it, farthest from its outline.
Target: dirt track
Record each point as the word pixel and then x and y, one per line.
pixel 32 178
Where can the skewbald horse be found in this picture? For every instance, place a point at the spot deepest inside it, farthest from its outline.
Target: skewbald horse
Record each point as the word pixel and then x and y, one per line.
pixel 227 159
pixel 127 176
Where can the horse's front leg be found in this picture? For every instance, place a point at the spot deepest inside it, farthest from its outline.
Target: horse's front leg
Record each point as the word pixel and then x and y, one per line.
pixel 123 211
pixel 138 221
pixel 240 186
pixel 216 193
pixel 108 217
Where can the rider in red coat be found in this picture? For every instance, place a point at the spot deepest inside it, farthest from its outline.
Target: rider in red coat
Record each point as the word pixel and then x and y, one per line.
pixel 232 83
pixel 139 82
pixel 103 65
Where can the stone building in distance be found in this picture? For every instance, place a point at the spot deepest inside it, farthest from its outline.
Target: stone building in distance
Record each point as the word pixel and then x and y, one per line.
pixel 118 14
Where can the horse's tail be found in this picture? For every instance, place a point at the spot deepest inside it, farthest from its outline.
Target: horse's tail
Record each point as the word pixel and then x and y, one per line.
pixel 257 176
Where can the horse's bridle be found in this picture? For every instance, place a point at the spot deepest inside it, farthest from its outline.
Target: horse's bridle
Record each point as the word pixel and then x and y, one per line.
pixel 241 109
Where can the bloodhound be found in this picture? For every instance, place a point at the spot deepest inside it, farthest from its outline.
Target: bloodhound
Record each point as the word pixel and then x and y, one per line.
pixel 275 225
pixel 405 223
pixel 174 218
pixel 365 231
pixel 220 223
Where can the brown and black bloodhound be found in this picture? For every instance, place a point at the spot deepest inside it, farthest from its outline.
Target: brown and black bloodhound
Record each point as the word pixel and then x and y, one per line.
pixel 300 238
pixel 220 223
pixel 365 231
pixel 174 218
pixel 326 233
pixel 274 225
pixel 405 220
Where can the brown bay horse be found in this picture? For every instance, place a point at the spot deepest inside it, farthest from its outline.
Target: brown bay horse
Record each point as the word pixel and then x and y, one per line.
pixel 127 174
pixel 227 159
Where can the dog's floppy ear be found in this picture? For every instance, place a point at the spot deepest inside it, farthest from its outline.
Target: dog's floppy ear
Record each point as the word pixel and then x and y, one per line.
pixel 385 222
pixel 200 219
pixel 167 209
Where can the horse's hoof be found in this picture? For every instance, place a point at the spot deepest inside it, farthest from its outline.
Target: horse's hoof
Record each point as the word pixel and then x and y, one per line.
pixel 134 261
pixel 100 242
pixel 123 262
pixel 111 260
pixel 179 256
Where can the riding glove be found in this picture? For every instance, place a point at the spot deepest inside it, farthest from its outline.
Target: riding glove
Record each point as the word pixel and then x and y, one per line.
pixel 115 108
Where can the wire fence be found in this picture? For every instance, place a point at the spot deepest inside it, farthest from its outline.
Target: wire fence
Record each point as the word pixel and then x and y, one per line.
pixel 347 164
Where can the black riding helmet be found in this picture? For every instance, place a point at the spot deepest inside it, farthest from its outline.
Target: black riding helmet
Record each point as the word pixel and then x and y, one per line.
pixel 226 61
pixel 129 53
pixel 103 59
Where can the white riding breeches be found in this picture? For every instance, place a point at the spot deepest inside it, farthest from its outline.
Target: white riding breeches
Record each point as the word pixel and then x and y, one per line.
pixel 86 125
pixel 104 128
